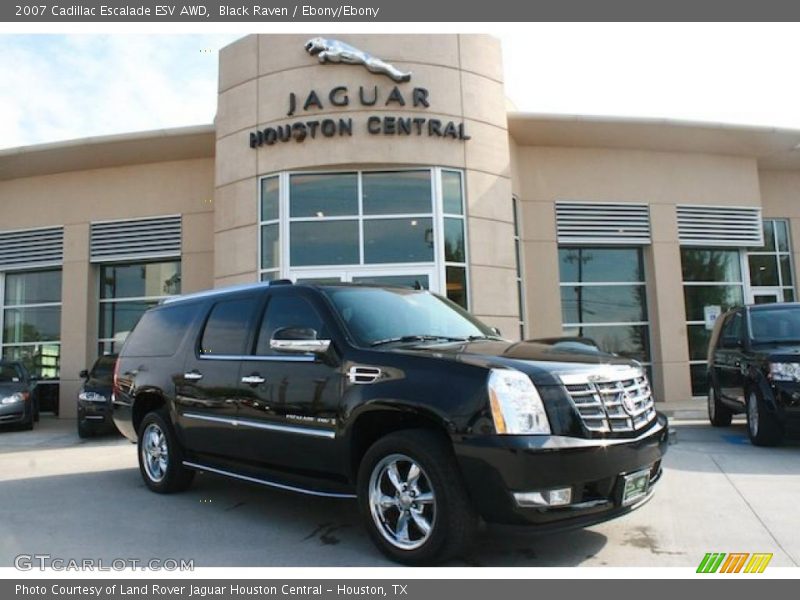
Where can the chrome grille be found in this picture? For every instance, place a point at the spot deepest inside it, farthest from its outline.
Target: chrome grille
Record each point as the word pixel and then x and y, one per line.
pixel 615 402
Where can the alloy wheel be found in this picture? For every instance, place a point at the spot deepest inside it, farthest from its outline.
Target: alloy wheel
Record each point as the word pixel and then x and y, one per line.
pixel 155 452
pixel 402 501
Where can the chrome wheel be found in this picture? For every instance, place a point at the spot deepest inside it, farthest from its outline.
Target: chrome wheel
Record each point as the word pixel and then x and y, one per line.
pixel 155 453
pixel 752 413
pixel 402 502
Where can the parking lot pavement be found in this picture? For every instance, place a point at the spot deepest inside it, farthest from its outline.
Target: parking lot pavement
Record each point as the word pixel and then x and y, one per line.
pixel 75 498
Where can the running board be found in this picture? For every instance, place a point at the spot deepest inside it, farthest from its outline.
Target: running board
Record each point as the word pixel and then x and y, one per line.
pixel 272 484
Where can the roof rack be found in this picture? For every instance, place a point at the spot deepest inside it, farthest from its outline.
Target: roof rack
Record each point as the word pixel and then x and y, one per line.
pixel 226 290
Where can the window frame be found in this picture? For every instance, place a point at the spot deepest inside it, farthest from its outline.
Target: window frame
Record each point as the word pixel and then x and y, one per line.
pixel 284 268
pixel 647 364
pixel 3 307
pixel 101 302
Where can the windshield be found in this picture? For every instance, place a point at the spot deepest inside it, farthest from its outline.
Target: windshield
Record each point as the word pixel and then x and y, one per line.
pixel 104 367
pixel 10 373
pixel 380 315
pixel 775 325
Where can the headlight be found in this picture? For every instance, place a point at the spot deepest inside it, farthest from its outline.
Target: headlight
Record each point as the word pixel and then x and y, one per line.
pixel 785 371
pixel 91 397
pixel 516 405
pixel 14 398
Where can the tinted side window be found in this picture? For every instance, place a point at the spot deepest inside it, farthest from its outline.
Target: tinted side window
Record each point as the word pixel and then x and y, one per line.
pixel 226 329
pixel 288 311
pixel 732 330
pixel 160 331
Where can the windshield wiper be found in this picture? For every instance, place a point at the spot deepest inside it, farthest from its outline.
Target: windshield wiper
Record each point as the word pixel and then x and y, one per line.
pixel 415 338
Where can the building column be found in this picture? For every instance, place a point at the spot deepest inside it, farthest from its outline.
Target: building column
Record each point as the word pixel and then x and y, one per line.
pixel 78 316
pixel 540 269
pixel 669 344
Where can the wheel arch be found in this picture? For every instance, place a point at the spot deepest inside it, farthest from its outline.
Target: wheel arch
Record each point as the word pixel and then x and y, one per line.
pixel 374 422
pixel 146 401
pixel 756 380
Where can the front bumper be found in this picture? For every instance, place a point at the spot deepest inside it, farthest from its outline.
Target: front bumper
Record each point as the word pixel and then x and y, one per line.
pixel 494 467
pixel 19 412
pixel 95 414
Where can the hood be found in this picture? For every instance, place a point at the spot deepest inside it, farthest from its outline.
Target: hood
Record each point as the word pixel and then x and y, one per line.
pixel 542 362
pixel 7 388
pixel 778 352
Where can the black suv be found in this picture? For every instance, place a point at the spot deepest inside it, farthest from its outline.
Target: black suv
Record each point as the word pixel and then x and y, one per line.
pixel 396 397
pixel 754 368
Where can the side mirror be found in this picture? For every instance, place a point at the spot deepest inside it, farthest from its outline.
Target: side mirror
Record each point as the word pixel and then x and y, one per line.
pixel 496 331
pixel 34 378
pixel 84 374
pixel 298 340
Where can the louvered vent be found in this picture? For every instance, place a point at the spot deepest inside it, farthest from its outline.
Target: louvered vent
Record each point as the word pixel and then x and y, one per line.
pixel 158 237
pixel 31 248
pixel 719 226
pixel 602 223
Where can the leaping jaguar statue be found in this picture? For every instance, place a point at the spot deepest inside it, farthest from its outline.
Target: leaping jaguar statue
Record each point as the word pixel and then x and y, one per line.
pixel 335 51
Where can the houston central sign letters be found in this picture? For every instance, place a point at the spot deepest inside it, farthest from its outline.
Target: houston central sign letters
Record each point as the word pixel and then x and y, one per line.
pixel 304 107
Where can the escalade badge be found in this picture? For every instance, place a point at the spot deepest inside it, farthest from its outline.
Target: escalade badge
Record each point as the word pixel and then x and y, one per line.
pixel 334 51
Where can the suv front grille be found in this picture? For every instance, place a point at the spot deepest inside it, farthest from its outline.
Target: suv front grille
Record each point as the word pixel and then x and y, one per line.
pixel 615 402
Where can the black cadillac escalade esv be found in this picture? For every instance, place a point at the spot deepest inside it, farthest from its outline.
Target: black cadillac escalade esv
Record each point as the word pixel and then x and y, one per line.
pixel 393 396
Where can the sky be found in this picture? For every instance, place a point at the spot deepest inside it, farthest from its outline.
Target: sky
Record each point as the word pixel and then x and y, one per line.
pixel 58 87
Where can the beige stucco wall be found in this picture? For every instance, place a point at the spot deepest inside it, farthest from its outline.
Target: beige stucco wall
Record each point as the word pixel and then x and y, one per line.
pixel 77 198
pixel 463 74
pixel 545 175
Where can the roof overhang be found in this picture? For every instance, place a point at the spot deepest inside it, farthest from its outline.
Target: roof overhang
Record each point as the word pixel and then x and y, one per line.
pixel 773 148
pixel 108 151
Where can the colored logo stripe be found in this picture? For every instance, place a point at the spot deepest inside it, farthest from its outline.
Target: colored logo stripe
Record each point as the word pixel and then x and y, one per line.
pixel 758 563
pixel 711 562
pixel 734 562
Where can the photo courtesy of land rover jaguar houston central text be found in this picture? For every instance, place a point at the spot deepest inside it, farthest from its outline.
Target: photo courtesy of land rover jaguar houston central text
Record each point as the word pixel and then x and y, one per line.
pixel 395 397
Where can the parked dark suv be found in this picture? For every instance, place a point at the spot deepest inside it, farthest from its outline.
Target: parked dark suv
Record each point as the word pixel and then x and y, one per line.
pixel 393 396
pixel 754 368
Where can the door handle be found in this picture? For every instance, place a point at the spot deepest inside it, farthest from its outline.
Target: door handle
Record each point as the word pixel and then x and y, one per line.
pixel 253 379
pixel 193 376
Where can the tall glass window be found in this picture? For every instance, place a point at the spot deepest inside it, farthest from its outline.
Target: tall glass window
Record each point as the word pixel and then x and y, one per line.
pixel 711 277
pixel 126 292
pixel 603 297
pixel 31 321
pixel 377 226
pixel 770 266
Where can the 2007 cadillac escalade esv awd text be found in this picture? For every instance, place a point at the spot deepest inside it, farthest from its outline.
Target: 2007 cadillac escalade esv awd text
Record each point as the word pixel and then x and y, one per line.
pixel 396 397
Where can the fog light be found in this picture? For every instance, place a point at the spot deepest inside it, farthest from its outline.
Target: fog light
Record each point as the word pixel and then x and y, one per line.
pixel 556 497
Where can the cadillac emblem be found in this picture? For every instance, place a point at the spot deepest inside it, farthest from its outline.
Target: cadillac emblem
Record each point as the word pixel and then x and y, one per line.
pixel 628 400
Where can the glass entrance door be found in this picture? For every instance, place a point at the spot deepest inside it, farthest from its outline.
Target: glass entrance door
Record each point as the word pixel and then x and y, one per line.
pixel 412 277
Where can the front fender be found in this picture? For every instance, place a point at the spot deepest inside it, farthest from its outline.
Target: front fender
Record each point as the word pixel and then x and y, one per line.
pixel 756 379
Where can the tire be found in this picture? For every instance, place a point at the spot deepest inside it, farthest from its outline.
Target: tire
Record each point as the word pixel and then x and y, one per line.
pixel 161 456
pixel 84 431
pixel 762 426
pixel 719 414
pixel 28 425
pixel 396 472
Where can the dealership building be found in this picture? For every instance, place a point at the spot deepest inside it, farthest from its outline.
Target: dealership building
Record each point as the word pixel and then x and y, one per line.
pixel 409 168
